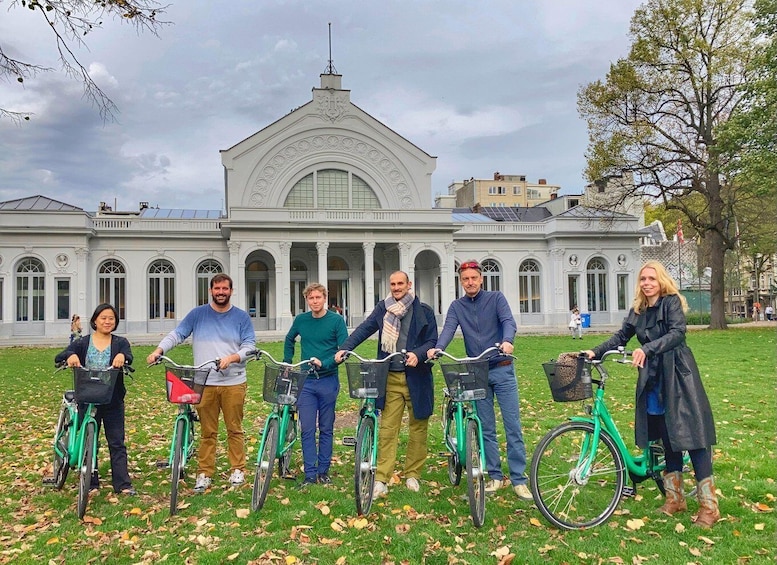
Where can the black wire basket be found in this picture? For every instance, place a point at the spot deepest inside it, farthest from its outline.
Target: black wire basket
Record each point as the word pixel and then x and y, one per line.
pixel 282 384
pixel 367 379
pixel 185 385
pixel 94 386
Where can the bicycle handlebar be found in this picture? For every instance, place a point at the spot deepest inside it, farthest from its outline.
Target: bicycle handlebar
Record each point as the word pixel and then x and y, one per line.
pixel 492 349
pixel 215 362
pixel 126 368
pixel 387 358
pixel 622 351
pixel 257 353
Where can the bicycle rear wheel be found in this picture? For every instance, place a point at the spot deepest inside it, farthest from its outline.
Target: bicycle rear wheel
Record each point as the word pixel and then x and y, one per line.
pixel 567 496
pixel 454 464
pixel 87 461
pixel 61 454
pixel 476 484
pixel 364 473
pixel 175 471
pixel 264 465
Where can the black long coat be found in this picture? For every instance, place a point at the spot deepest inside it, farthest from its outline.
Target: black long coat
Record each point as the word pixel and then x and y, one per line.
pixel 689 420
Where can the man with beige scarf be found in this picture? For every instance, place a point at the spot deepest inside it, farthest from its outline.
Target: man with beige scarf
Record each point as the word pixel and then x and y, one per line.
pixel 402 322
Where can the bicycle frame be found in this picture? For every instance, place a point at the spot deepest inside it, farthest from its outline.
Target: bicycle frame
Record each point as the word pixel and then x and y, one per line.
pixel 463 410
pixel 640 467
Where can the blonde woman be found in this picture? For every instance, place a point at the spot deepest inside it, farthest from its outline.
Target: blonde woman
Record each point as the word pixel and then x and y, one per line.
pixel 671 403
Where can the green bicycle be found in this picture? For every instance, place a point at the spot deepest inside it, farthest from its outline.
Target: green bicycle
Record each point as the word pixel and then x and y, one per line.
pixel 75 435
pixel 579 468
pixel 282 384
pixel 185 385
pixel 366 382
pixel 466 380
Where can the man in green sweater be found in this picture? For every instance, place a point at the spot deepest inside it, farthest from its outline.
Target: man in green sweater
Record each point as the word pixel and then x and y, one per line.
pixel 320 331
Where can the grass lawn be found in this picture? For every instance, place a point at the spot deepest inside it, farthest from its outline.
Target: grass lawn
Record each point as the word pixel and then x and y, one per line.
pixel 38 524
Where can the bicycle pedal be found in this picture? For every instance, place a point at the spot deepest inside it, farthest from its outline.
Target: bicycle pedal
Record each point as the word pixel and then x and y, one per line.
pixel 628 492
pixel 350 441
pixel 49 481
pixel 289 477
pixel 445 454
pixel 162 464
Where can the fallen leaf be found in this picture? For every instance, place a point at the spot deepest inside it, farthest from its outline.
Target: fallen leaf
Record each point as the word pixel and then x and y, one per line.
pixel 535 522
pixel 233 556
pixel 635 523
pixel 760 526
pixel 242 512
pixel 679 528
pixel 706 540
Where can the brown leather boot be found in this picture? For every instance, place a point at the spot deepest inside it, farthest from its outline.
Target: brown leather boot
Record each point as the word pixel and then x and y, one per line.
pixel 675 495
pixel 708 512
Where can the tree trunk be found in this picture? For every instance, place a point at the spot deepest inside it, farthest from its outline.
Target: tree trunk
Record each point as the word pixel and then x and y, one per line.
pixel 717 287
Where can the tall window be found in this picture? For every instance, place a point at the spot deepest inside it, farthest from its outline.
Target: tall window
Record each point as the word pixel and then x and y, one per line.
pixel 205 271
pixel 332 189
pixel 299 279
pixel 596 277
pixel 161 290
pixel 623 291
pixel 529 287
pixel 63 299
pixel 30 279
pixel 574 291
pixel 491 275
pixel 112 286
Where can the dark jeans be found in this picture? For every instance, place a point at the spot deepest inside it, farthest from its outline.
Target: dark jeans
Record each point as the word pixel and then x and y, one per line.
pixel 316 402
pixel 110 417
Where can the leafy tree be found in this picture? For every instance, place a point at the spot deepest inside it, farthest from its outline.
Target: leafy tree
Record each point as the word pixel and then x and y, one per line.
pixel 658 112
pixel 70 21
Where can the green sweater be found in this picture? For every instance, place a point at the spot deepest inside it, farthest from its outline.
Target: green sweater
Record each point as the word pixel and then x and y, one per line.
pixel 320 338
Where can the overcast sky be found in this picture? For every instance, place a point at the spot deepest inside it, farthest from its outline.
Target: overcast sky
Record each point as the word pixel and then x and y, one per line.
pixel 484 86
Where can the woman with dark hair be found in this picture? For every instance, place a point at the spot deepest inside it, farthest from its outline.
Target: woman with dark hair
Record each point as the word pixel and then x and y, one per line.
pixel 671 403
pixel 100 350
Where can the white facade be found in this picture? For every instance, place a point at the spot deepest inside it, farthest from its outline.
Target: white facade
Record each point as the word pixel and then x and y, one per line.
pixel 325 194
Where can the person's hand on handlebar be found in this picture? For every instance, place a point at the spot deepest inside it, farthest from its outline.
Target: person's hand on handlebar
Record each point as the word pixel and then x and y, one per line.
pixel 153 357
pixel 506 348
pixel 118 361
pixel 315 362
pixel 73 361
pixel 433 353
pixel 340 356
pixel 638 358
pixel 411 359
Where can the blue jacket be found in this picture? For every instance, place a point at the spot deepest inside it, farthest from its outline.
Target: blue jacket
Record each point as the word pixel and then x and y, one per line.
pixel 485 320
pixel 421 336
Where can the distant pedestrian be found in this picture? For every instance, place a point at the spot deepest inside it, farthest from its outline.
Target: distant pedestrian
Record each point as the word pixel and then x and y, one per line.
pixel 576 324
pixel 75 328
pixel 769 311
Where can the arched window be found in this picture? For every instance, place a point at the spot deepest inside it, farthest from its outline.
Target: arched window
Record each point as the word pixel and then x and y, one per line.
pixel 112 285
pixel 596 278
pixel 205 271
pixel 332 189
pixel 491 275
pixel 161 290
pixel 529 287
pixel 30 291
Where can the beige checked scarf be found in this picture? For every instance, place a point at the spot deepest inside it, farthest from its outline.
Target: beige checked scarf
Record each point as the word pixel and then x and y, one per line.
pixel 392 321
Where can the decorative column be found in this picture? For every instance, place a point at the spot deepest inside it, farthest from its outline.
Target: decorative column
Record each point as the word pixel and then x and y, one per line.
pixel 323 274
pixel 283 285
pixel 447 277
pixel 404 259
pixel 238 299
pixel 369 276
pixel 82 253
pixel 557 284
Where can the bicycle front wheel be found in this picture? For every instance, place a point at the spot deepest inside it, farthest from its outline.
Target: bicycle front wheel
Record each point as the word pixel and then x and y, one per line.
pixel 264 465
pixel 61 443
pixel 175 471
pixel 87 461
pixel 576 484
pixel 454 464
pixel 364 473
pixel 476 484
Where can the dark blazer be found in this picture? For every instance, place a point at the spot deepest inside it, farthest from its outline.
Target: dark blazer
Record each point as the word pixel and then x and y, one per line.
pixel 689 420
pixel 421 336
pixel 118 345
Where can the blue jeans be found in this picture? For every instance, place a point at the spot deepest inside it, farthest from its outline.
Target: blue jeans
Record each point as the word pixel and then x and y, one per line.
pixel 316 402
pixel 503 385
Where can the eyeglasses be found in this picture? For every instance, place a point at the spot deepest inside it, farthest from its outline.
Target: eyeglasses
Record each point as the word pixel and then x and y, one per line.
pixel 470 265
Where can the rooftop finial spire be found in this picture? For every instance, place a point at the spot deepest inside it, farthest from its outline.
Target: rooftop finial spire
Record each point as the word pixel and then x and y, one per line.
pixel 330 68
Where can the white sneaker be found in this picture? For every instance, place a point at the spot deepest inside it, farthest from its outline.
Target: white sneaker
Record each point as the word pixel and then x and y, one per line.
pixel 412 484
pixel 202 484
pixel 493 485
pixel 523 492
pixel 379 490
pixel 237 478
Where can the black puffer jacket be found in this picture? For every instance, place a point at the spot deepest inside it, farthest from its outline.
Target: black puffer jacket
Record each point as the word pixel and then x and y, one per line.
pixel 688 414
